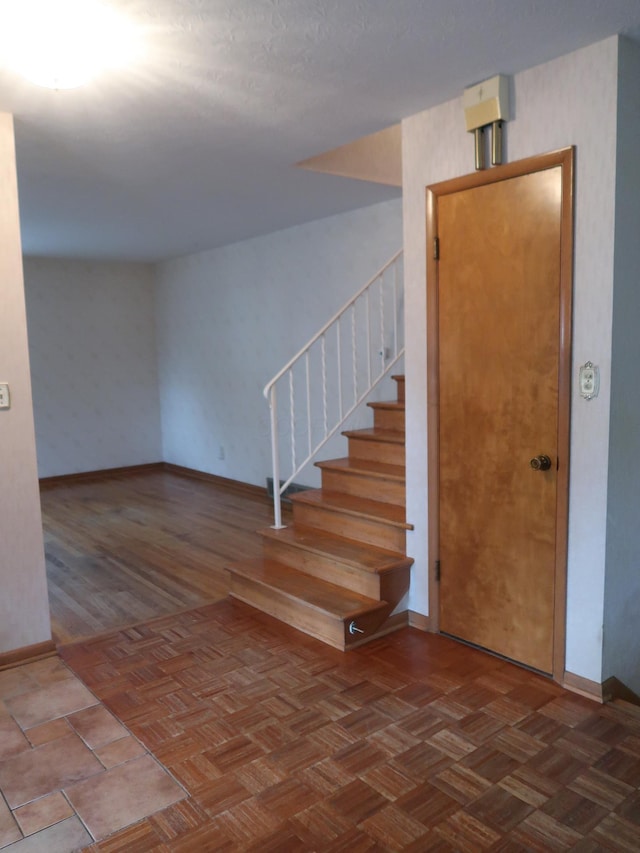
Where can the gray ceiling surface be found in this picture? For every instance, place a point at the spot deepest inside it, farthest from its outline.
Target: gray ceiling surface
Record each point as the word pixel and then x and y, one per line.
pixel 194 146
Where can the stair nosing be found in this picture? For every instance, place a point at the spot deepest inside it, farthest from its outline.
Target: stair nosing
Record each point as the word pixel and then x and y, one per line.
pixel 384 436
pixel 395 560
pixel 388 405
pixel 359 466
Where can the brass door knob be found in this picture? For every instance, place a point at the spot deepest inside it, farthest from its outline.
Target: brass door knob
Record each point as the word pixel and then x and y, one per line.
pixel 540 463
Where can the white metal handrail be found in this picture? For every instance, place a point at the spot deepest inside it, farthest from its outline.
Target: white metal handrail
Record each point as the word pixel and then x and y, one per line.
pixel 367 342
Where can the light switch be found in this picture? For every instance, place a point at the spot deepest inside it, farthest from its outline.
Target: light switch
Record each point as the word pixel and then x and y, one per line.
pixel 589 381
pixel 5 399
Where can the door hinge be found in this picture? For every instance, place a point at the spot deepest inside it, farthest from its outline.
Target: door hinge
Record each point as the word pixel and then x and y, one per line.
pixel 436 248
pixel 438 570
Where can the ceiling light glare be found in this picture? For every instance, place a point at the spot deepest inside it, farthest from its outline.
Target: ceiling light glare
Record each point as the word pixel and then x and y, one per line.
pixel 62 44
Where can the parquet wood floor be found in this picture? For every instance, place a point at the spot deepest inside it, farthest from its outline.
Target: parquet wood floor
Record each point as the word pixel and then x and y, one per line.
pixel 413 742
pixel 125 549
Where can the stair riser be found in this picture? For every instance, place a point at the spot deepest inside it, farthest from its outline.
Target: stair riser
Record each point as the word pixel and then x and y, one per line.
pixel 325 568
pixel 394 585
pixel 276 604
pixel 389 419
pixel 368 623
pixel 350 527
pixel 378 451
pixel 362 486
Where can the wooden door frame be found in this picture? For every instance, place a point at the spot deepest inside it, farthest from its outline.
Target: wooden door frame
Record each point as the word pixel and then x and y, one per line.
pixel 565 159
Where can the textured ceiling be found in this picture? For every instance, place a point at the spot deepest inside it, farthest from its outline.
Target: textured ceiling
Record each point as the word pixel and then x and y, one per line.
pixel 194 147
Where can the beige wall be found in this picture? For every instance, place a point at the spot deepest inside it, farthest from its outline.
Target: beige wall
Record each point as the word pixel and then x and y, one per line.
pixel 91 322
pixel 234 306
pixel 621 657
pixel 24 611
pixel 551 111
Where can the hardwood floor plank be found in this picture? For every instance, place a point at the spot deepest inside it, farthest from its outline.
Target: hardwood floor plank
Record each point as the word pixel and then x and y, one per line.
pixel 125 549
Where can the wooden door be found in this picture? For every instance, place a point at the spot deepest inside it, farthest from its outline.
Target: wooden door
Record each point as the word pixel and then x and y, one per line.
pixel 501 321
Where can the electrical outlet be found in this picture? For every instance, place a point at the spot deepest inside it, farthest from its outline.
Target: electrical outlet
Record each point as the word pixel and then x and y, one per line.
pixel 5 398
pixel 221 452
pixel 589 380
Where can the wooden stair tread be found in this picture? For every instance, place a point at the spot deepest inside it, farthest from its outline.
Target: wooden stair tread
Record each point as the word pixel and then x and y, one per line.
pixel 390 436
pixel 390 514
pixel 326 597
pixel 379 470
pixel 368 558
pixel 394 405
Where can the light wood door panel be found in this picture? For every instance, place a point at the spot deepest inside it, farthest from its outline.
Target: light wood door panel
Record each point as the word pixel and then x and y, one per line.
pixel 499 334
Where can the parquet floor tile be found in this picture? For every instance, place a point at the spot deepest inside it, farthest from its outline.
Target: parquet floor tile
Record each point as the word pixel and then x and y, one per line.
pixel 500 810
pixel 616 834
pixel 542 832
pixel 413 743
pixel 465 833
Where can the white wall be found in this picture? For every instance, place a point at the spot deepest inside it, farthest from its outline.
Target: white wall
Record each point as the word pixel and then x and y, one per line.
pixel 552 110
pixel 24 610
pixel 622 586
pixel 93 364
pixel 230 318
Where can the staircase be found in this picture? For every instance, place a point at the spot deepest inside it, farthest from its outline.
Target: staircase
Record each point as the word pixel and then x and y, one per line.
pixel 341 569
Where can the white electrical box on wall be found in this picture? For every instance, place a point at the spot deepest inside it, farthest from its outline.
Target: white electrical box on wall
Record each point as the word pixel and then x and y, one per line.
pixel 486 102
pixel 5 399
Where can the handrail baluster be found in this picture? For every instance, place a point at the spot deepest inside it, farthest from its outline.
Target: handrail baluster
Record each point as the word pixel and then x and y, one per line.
pixel 354 352
pixel 275 459
pixel 368 308
pixel 323 347
pixel 339 360
pixel 395 309
pixel 292 417
pixel 382 358
pixel 309 442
